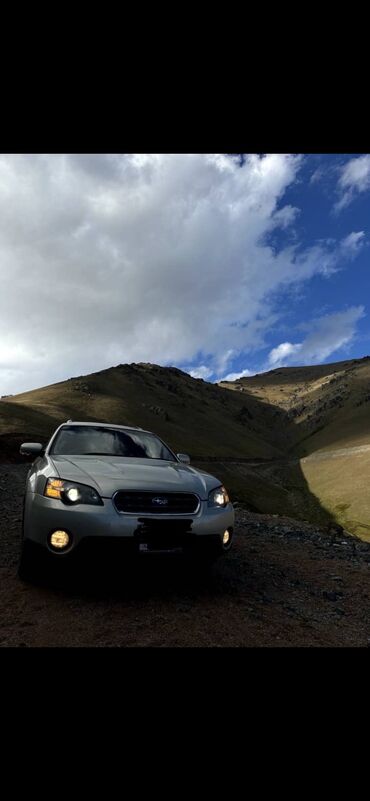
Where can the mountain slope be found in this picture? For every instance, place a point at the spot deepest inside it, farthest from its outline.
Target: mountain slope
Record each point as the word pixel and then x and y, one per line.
pixel 189 413
pixel 327 404
pixel 327 411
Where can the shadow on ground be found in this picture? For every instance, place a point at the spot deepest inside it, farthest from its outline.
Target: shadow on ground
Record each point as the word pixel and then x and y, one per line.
pixel 152 577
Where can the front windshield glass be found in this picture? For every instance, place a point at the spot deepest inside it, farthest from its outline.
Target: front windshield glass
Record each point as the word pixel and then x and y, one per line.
pixel 100 441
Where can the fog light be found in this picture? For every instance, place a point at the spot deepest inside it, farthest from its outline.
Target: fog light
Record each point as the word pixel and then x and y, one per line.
pixel 226 537
pixel 59 539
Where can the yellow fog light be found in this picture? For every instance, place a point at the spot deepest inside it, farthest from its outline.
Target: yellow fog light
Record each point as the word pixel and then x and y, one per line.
pixel 59 539
pixel 226 537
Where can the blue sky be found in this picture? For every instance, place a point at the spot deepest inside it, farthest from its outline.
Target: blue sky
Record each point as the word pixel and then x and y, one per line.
pixel 324 301
pixel 208 262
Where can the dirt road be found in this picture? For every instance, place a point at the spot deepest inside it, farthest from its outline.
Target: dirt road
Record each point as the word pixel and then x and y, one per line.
pixel 284 584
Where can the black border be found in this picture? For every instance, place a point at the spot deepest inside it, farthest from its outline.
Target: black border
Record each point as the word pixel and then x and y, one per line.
pixel 257 114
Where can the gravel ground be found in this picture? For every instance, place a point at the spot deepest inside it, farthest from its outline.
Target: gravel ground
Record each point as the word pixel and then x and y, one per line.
pixel 284 584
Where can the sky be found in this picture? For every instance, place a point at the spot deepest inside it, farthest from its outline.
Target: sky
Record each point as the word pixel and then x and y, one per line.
pixel 221 265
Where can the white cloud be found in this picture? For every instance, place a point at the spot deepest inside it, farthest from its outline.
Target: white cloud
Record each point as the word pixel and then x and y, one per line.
pixel 354 178
pixel 201 372
pixel 353 243
pixel 282 353
pixel 326 335
pixel 235 376
pixel 222 360
pixel 158 258
pixel 317 175
pixel 285 216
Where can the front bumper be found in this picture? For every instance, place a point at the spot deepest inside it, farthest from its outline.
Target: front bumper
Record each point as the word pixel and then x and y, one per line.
pixel 86 522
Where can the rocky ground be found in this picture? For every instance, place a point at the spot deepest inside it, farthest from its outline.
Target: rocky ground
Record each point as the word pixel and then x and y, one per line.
pixel 284 584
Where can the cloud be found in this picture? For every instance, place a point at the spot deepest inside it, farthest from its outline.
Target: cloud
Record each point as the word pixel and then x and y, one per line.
pixel 354 178
pixel 235 376
pixel 106 259
pixel 283 353
pixel 201 372
pixel 285 217
pixel 353 243
pixel 326 335
pixel 317 175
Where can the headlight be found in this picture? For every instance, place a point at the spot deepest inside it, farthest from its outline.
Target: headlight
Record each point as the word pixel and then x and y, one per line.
pixel 218 497
pixel 71 493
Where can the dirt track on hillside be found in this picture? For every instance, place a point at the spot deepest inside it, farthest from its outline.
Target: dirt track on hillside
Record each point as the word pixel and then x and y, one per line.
pixel 284 584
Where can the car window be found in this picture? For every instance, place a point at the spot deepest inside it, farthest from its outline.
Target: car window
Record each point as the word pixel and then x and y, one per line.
pixel 93 440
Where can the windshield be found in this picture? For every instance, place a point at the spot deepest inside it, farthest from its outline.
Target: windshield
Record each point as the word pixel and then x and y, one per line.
pixel 100 441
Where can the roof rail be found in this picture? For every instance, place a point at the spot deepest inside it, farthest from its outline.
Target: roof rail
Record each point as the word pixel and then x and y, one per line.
pixel 102 423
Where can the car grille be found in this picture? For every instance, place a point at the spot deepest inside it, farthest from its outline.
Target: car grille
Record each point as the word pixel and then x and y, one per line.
pixel 157 503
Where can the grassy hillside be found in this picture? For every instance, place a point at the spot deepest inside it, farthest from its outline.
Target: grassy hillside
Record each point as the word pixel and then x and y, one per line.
pixel 190 414
pixel 324 405
pixel 327 411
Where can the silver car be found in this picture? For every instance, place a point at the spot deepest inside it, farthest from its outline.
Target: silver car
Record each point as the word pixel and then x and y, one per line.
pixel 96 483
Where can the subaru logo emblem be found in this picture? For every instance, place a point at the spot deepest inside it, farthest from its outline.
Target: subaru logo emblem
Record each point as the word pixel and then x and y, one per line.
pixel 160 501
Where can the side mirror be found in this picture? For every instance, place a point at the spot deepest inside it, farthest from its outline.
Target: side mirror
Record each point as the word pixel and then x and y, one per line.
pixel 183 457
pixel 31 449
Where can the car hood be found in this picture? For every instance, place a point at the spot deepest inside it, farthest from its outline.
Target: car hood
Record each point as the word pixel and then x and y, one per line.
pixel 111 473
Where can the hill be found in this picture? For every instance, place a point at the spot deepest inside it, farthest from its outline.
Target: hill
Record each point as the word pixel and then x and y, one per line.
pixel 190 413
pixel 327 413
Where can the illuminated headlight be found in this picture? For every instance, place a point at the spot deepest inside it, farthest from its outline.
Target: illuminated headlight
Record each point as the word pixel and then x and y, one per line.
pixel 71 493
pixel 59 540
pixel 226 537
pixel 218 497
